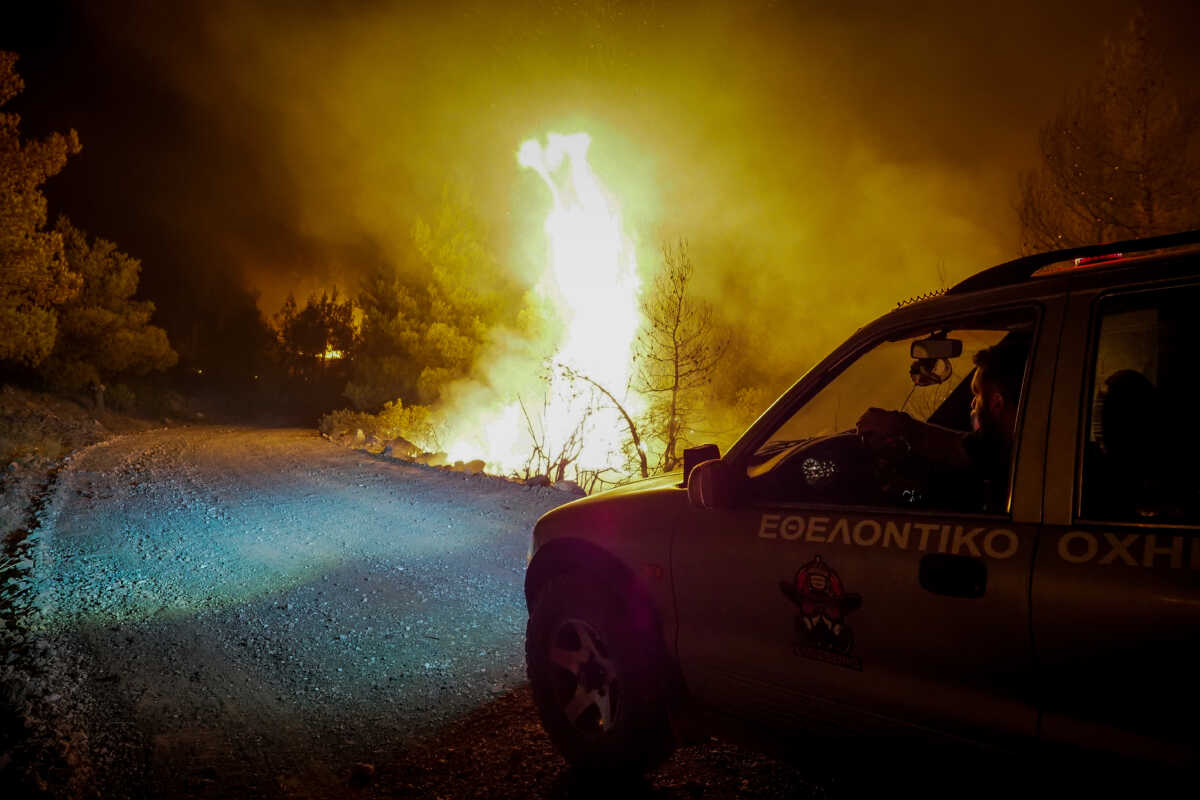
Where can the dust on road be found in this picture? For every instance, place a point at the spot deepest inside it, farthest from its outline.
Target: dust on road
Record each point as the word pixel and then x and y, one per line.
pixel 256 610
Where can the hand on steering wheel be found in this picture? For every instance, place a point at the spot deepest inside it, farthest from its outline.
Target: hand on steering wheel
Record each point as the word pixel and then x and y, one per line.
pixel 885 432
pixel 886 436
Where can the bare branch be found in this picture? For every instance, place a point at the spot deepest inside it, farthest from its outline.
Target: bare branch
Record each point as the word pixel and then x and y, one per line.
pixel 679 352
pixel 633 431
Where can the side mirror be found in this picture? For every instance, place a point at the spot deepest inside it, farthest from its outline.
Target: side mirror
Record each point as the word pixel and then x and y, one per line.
pixel 694 455
pixel 711 485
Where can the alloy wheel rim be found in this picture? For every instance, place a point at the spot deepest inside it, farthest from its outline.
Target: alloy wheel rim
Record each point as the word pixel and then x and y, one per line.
pixel 585 677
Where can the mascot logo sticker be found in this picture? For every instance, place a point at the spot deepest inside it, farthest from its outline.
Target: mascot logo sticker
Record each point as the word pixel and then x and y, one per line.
pixel 821 630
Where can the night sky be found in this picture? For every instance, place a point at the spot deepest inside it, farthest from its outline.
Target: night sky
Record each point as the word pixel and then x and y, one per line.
pixel 824 159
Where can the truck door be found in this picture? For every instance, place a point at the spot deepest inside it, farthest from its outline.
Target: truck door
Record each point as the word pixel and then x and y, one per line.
pixel 1116 586
pixel 840 582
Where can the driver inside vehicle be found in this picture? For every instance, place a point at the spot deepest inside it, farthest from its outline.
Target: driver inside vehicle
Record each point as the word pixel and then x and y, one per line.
pixel 984 453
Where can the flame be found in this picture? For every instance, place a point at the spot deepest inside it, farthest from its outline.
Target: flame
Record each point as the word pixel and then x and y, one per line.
pixel 591 282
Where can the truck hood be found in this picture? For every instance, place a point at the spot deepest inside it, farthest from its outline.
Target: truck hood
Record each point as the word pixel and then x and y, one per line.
pixel 645 486
pixel 670 480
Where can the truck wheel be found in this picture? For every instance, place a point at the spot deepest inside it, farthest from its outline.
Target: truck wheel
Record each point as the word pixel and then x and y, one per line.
pixel 596 677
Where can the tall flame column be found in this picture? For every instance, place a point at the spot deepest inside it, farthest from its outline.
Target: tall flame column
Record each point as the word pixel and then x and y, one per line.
pixel 592 281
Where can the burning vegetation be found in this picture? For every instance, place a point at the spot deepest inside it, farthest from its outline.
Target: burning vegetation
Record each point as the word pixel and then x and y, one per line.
pixel 597 378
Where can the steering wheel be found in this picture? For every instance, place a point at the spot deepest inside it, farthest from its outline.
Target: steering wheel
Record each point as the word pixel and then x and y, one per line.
pixel 901 476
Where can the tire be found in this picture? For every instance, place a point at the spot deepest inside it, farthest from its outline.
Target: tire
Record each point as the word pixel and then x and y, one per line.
pixel 597 677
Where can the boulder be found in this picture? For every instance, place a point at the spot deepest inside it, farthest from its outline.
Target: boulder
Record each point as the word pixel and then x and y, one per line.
pixel 432 459
pixel 570 487
pixel 474 467
pixel 400 448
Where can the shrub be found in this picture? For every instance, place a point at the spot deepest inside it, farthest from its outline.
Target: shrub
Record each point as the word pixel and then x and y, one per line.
pixel 414 423
pixel 344 420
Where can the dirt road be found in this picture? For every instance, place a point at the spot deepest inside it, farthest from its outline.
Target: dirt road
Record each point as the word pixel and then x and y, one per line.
pixel 226 612
pixel 259 611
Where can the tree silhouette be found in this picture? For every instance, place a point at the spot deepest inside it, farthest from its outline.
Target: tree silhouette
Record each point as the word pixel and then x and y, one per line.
pixel 678 353
pixel 635 439
pixel 102 332
pixel 34 275
pixel 321 332
pixel 1121 159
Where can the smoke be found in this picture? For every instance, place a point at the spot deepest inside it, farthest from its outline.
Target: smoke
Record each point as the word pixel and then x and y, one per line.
pixel 823 162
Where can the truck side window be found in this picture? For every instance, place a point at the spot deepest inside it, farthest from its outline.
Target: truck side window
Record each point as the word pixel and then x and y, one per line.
pixel 818 454
pixel 1140 443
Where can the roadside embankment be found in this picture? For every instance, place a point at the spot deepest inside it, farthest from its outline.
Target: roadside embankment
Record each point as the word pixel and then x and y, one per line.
pixel 41 754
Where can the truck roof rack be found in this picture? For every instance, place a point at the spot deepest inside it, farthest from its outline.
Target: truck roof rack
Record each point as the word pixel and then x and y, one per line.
pixel 1022 269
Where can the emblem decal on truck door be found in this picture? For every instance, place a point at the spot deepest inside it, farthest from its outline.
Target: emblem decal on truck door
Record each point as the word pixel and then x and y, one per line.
pixel 821 630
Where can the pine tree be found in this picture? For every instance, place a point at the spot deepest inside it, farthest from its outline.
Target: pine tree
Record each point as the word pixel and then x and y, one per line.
pixel 102 332
pixel 320 332
pixel 425 326
pixel 34 274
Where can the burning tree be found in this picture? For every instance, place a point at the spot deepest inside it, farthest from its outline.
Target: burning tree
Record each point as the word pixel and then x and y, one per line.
pixel 321 332
pixel 678 353
pixel 590 288
pixel 1121 159
pixel 635 438
pixel 551 456
pixel 316 345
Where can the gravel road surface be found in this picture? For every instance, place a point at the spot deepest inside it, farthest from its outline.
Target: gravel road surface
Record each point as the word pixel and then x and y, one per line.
pixel 260 613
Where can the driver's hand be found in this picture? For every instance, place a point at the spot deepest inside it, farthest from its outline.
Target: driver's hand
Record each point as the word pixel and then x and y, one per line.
pixel 877 426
